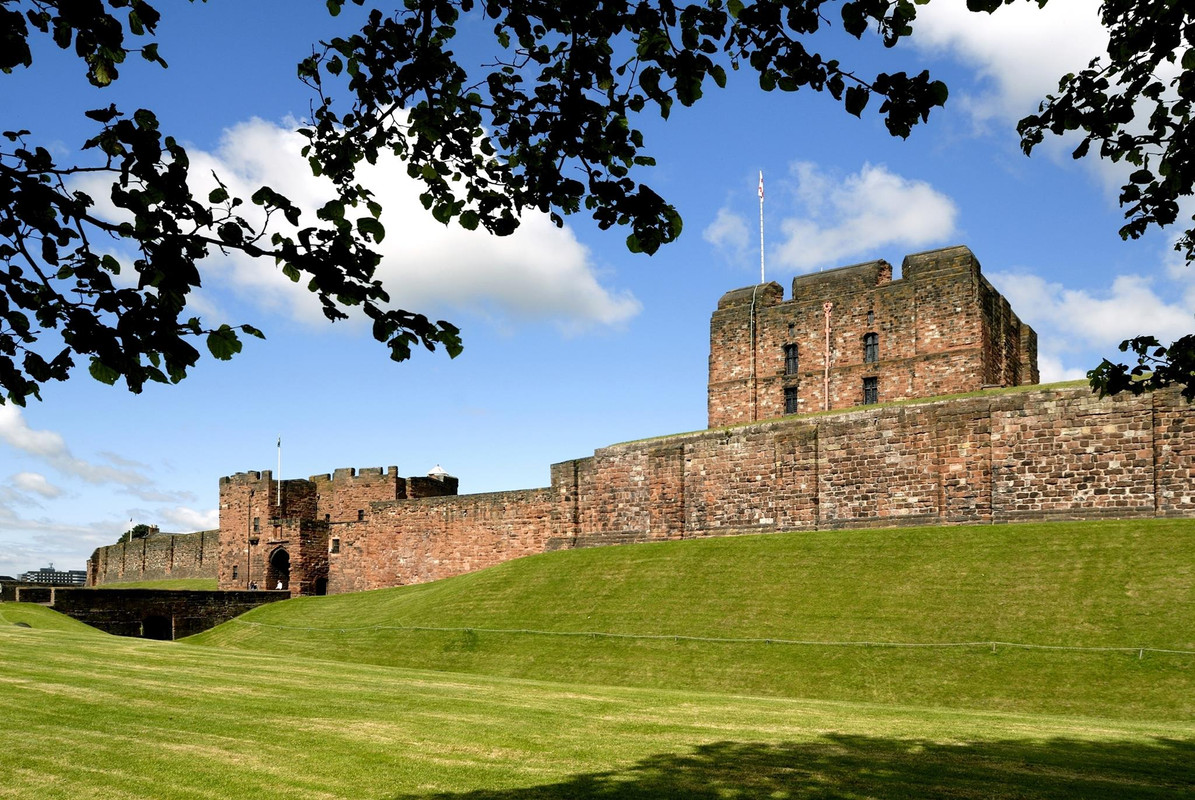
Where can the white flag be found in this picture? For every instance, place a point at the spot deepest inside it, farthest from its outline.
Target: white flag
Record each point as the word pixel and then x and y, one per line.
pixel 761 185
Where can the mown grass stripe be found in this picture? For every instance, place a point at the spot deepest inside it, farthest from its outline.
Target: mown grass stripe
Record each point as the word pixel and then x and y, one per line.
pixel 1072 614
pixel 711 639
pixel 192 724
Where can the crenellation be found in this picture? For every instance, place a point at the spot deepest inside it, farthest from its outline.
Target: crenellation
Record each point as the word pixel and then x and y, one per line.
pixel 853 336
pixel 816 286
pixel 863 462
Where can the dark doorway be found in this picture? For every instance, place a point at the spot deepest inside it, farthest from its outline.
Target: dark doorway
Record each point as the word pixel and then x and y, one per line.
pixel 321 586
pixel 278 576
pixel 156 627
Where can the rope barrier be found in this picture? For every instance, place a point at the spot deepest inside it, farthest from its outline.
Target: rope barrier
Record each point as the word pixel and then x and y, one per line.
pixel 722 640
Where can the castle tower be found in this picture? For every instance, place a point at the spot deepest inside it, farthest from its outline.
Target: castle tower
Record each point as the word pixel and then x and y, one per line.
pixel 266 543
pixel 854 336
pixel 291 534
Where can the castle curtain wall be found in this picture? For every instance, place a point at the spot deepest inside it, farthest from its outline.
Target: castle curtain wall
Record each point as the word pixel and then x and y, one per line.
pixel 414 541
pixel 168 556
pixel 1036 455
pixel 1032 455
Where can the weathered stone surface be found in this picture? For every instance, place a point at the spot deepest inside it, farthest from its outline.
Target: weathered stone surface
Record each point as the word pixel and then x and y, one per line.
pixel 1031 455
pixel 160 557
pixel 940 329
pixel 149 613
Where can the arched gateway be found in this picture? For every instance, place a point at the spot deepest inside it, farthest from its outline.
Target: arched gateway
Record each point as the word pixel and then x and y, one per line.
pixel 278 570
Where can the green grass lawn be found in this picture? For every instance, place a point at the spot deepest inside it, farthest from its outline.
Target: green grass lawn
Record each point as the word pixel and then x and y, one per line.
pixel 775 667
pixel 89 715
pixel 31 615
pixel 1059 585
pixel 195 584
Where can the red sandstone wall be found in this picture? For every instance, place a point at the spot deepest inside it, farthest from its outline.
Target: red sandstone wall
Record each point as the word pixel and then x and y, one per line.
pixel 413 541
pixel 346 493
pixel 1033 455
pixel 1073 457
pixel 1173 455
pixel 942 329
pixel 177 555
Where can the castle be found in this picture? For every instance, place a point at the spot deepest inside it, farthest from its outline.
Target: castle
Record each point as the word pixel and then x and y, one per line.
pixel 849 341
pixel 853 336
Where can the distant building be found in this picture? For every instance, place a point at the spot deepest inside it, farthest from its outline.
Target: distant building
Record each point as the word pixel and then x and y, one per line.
pixel 48 576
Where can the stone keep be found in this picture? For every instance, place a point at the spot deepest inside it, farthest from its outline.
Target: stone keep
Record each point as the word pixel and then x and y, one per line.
pixel 939 329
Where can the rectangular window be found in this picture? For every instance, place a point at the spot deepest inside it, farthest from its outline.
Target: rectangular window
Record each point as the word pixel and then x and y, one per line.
pixel 790 399
pixel 791 362
pixel 871 348
pixel 257 524
pixel 335 545
pixel 871 391
pixel 360 515
pixel 234 572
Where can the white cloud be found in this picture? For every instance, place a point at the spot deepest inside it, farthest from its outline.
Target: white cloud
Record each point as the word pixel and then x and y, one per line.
pixel 30 543
pixel 1019 52
pixel 36 483
pixel 50 448
pixel 826 220
pixel 728 232
pixel 539 272
pixel 185 519
pixel 1128 308
pixel 1051 369
pixel 1077 327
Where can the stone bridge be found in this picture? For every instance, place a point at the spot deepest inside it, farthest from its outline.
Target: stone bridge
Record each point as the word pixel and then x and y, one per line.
pixel 147 613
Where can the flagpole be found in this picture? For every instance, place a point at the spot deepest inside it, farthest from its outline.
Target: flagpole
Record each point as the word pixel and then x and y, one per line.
pixel 761 278
pixel 279 478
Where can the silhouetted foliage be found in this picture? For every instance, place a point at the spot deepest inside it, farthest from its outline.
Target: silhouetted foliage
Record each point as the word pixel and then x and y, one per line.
pixel 545 123
pixel 138 531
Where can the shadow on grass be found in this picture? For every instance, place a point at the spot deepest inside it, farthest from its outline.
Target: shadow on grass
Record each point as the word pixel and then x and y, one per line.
pixel 855 767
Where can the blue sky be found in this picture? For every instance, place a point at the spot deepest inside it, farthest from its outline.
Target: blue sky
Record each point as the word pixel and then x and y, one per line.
pixel 571 342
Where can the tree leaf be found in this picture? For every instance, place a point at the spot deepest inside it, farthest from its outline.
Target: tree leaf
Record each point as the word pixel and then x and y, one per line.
pixel 102 372
pixel 371 227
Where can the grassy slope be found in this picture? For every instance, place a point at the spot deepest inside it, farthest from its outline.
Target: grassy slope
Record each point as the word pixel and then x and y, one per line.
pixel 101 716
pixel 197 584
pixel 1121 584
pixel 42 618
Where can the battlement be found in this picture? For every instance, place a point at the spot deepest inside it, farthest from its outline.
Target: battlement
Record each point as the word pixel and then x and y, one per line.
pixel 843 280
pixel 765 294
pixel 247 477
pixel 854 335
pixel 356 475
pixel 958 260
